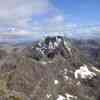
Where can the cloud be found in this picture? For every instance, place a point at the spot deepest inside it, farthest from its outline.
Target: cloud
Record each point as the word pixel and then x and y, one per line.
pixel 22 8
pixel 82 31
pixel 18 13
pixel 16 18
pixel 54 23
pixel 58 19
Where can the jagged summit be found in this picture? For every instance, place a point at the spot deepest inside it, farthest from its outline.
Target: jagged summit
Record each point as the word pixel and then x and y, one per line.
pixel 52 45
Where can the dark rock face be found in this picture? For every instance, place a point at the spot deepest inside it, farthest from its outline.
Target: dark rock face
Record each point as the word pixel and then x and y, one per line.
pixel 46 71
pixel 50 47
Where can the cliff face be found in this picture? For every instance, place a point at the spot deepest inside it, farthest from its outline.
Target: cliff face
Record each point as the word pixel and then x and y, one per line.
pixel 52 69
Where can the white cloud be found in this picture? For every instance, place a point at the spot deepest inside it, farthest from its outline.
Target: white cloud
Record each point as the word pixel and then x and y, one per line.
pixel 55 24
pixel 58 19
pixel 79 31
pixel 18 13
pixel 16 33
pixel 87 31
pixel 22 8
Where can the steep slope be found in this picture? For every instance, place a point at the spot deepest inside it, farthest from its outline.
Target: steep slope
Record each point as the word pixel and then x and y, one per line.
pixel 51 69
pixel 90 49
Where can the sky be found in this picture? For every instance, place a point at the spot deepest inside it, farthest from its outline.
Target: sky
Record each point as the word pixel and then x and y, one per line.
pixel 75 18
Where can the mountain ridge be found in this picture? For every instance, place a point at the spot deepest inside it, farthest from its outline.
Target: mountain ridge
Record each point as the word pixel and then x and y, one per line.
pixel 49 69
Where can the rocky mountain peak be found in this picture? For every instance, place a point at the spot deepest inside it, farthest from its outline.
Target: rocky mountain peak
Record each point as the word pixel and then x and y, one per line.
pixel 52 46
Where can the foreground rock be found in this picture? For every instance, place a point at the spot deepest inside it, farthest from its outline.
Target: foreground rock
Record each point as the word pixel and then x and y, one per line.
pixel 48 70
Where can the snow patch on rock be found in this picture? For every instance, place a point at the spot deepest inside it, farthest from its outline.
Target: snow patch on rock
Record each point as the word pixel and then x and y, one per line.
pixel 56 82
pixel 43 62
pixel 84 73
pixel 78 83
pixel 70 97
pixel 65 74
pixel 66 77
pixel 65 71
pixel 48 96
pixel 60 97
pixel 67 97
pixel 67 47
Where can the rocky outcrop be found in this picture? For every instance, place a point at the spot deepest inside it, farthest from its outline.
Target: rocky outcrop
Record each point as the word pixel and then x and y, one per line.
pixel 53 69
